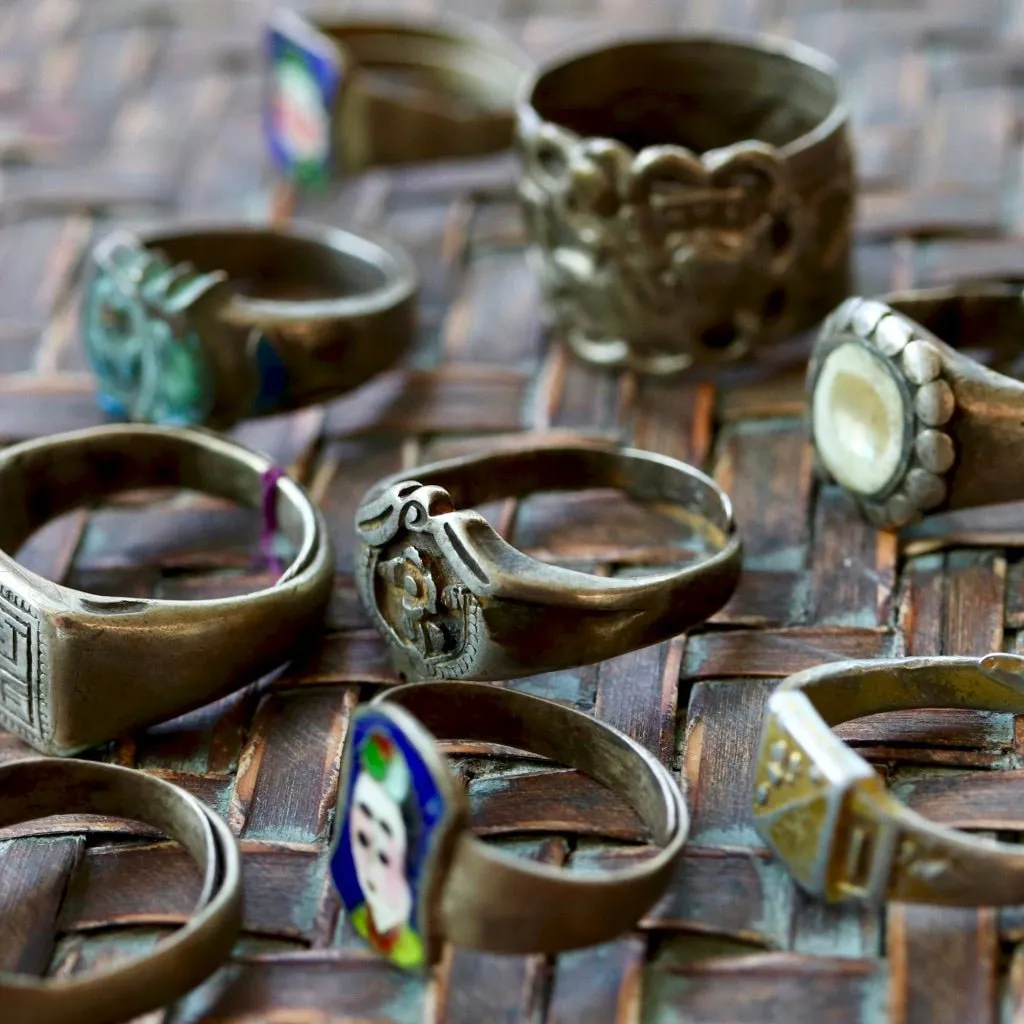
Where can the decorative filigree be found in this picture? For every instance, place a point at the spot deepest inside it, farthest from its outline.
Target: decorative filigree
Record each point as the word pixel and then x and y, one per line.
pixel 662 257
pixel 141 335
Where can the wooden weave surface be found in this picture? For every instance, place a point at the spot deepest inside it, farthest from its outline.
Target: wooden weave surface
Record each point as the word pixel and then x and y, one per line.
pixel 118 112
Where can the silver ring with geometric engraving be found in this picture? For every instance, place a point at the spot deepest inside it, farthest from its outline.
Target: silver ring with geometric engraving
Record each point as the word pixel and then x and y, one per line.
pixel 77 669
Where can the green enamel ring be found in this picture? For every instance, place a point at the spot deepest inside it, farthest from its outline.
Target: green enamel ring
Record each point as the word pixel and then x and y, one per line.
pixel 215 324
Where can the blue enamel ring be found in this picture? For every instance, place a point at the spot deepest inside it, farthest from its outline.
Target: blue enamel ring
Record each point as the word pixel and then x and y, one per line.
pixel 412 875
pixel 344 94
pixel 215 324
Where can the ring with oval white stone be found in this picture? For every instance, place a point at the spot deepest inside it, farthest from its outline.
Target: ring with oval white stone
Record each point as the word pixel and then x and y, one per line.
pixel 903 419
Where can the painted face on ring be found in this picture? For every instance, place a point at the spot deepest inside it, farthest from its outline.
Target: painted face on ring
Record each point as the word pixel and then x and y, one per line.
pixel 379 846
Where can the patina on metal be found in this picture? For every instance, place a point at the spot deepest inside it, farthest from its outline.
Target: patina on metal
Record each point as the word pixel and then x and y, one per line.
pixel 906 421
pixel 456 601
pixel 401 806
pixel 348 93
pixel 77 669
pixel 43 787
pixel 687 199
pixel 825 812
pixel 216 323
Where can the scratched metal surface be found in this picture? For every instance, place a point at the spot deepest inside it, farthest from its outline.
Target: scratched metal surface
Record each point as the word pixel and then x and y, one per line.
pixel 116 112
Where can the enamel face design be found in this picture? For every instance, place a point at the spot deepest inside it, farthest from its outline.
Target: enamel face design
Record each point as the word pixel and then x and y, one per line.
pixel 304 77
pixel 393 815
pixel 140 335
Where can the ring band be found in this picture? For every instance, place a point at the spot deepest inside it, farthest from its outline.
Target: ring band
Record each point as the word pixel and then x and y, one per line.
pixel 213 324
pixel 78 669
pixel 401 805
pixel 903 421
pixel 332 108
pixel 42 787
pixel 687 199
pixel 456 601
pixel 826 813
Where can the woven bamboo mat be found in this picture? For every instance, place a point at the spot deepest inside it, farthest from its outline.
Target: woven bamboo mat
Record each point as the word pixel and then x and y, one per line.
pixel 130 111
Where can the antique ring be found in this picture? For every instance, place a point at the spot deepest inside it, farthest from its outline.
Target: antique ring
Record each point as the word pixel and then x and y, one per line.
pixel 348 93
pixel 825 812
pixel 411 874
pixel 687 199
pixel 212 324
pixel 43 787
pixel 905 422
pixel 456 601
pixel 77 669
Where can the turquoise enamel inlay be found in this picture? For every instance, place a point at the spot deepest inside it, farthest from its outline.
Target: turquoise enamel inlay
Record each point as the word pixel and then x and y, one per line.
pixel 140 337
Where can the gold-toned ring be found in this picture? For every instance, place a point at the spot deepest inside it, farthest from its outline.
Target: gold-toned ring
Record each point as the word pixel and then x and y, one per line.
pixel 827 814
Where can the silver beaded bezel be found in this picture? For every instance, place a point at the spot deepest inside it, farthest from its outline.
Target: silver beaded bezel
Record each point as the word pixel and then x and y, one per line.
pixel 908 352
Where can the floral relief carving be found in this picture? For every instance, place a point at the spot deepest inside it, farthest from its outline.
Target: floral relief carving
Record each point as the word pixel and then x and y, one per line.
pixel 669 253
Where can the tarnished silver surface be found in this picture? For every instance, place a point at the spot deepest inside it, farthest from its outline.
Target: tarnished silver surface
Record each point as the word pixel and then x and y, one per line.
pixel 456 601
pixel 77 669
pixel 687 199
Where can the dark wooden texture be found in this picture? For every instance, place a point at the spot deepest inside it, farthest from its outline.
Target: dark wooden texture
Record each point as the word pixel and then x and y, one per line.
pixel 119 112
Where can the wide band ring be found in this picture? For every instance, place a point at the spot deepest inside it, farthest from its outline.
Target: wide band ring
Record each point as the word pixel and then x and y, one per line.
pixel 77 669
pixel 825 812
pixel 409 870
pixel 456 601
pixel 332 106
pixel 43 787
pixel 216 323
pixel 902 420
pixel 687 200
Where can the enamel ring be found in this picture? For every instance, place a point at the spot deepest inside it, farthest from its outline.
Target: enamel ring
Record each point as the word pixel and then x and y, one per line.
pixel 346 93
pixel 77 669
pixel 409 870
pixel 454 600
pixel 688 199
pixel 826 813
pixel 903 418
pixel 43 787
pixel 217 323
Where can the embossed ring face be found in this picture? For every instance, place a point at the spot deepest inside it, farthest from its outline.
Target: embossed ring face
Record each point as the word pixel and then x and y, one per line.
pixel 140 335
pixel 802 799
pixel 416 578
pixel 879 406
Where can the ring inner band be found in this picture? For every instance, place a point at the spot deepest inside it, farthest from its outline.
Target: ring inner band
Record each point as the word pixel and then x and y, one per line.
pixel 48 479
pixel 643 477
pixel 694 92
